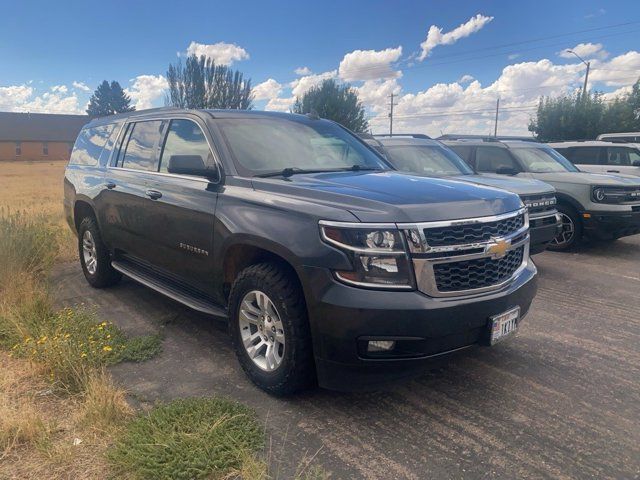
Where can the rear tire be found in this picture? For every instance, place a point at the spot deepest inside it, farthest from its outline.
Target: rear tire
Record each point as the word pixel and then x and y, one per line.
pixel 571 233
pixel 270 331
pixel 94 256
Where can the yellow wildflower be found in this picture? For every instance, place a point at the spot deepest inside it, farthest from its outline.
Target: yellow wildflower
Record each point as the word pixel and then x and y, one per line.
pixel 107 348
pixel 83 355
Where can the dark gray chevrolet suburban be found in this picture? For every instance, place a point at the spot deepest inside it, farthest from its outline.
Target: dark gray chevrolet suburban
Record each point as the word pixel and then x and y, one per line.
pixel 328 265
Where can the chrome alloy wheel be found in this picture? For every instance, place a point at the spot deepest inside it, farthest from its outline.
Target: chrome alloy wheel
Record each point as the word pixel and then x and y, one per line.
pixel 566 234
pixel 261 330
pixel 89 253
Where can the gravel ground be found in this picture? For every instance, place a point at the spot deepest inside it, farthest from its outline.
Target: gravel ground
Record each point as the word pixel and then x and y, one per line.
pixel 560 400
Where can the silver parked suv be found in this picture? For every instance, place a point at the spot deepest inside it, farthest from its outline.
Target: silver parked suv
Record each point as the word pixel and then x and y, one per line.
pixel 601 206
pixel 419 154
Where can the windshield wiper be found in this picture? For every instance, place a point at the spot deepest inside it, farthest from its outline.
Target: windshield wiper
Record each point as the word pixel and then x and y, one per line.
pixel 289 171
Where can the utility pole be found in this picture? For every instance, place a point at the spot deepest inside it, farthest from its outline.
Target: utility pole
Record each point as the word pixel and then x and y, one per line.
pixel 586 75
pixel 586 79
pixel 495 130
pixel 391 104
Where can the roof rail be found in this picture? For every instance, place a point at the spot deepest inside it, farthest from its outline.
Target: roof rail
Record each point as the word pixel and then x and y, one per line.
pixel 454 136
pixel 412 135
pixel 522 138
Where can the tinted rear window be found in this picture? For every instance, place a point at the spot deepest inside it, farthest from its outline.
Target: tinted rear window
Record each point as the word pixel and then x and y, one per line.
pixel 89 145
pixel 140 153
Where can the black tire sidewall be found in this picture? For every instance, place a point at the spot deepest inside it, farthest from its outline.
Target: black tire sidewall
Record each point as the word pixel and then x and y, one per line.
pixel 105 275
pixel 291 375
pixel 577 229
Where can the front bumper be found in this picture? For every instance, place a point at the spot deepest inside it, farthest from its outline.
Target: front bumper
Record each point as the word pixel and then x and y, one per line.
pixel 343 318
pixel 542 230
pixel 610 225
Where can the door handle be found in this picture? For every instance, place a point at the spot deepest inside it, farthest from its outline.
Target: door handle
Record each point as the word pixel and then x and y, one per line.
pixel 613 171
pixel 110 185
pixel 153 194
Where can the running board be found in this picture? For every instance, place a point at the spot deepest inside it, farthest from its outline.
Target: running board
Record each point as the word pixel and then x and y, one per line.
pixel 171 291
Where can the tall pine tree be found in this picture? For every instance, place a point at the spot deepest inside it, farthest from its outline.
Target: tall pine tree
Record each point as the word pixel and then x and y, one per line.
pixel 109 98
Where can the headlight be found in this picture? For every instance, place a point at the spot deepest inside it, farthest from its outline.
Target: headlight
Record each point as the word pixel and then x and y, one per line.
pixel 378 254
pixel 615 194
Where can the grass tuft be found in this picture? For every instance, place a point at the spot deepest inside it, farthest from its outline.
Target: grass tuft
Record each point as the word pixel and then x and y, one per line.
pixel 104 405
pixel 191 438
pixel 70 343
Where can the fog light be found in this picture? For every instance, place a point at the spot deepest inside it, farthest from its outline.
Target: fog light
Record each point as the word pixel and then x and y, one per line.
pixel 380 345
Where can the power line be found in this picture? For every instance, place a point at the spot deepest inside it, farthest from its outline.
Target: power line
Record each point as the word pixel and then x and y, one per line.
pixel 376 68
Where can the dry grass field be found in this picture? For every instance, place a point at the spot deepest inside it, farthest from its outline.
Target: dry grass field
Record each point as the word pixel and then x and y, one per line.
pixel 35 188
pixel 61 416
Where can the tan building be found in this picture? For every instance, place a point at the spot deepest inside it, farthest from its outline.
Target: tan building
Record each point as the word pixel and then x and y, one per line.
pixel 38 136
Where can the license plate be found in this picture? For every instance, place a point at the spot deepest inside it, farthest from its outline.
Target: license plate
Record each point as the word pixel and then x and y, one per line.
pixel 504 325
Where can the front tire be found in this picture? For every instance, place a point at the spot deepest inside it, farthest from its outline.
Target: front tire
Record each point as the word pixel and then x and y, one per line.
pixel 94 256
pixel 270 330
pixel 571 233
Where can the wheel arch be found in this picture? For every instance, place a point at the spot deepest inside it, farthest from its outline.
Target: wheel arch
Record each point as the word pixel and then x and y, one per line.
pixel 247 251
pixel 563 198
pixel 82 208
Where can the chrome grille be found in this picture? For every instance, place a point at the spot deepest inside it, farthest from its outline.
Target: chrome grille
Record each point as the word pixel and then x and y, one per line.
pixel 472 233
pixel 477 273
pixel 470 256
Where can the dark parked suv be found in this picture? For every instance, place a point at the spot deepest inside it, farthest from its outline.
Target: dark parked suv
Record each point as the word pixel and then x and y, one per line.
pixel 327 263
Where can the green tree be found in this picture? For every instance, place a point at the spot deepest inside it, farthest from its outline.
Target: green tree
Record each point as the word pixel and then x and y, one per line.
pixel 339 103
pixel 578 117
pixel 200 83
pixel 109 98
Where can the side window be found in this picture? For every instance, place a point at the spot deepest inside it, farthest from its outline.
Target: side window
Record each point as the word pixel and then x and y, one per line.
pixel 141 146
pixel 634 156
pixel 108 147
pixel 565 152
pixel 585 155
pixel 89 145
pixel 463 151
pixel 490 159
pixel 185 138
pixel 618 156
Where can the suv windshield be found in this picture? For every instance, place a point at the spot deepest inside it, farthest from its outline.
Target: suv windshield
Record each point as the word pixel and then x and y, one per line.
pixel 269 145
pixel 432 160
pixel 542 160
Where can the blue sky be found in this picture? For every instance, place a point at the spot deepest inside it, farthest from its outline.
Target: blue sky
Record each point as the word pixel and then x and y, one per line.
pixel 50 55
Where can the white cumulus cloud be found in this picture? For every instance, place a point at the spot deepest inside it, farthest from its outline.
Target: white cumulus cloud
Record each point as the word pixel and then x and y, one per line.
pixel 81 86
pixel 146 90
pixel 23 98
pixel 466 79
pixel 586 51
pixel 618 71
pixel 369 64
pixel 302 71
pixel 301 85
pixel 280 104
pixel 435 36
pixel 221 52
pixel 267 90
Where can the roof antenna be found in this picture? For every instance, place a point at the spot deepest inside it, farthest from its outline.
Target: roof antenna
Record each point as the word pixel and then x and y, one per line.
pixel 313 114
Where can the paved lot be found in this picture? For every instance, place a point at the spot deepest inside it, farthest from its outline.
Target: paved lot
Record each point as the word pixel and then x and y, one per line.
pixel 562 400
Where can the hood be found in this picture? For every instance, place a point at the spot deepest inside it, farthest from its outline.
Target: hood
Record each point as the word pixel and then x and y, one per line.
pixel 517 185
pixel 584 178
pixel 392 196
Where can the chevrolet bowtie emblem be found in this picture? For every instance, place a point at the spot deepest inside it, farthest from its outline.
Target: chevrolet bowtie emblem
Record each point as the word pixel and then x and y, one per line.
pixel 498 248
